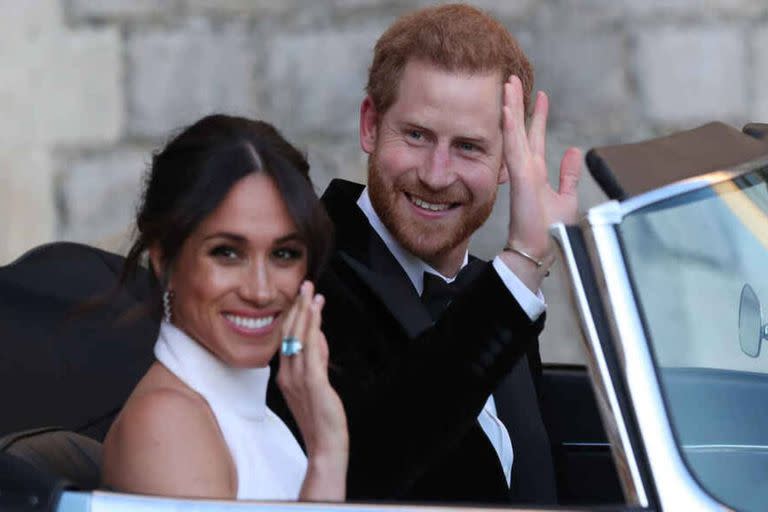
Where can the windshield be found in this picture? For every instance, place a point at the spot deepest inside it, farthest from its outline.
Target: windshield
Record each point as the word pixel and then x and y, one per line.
pixel 689 259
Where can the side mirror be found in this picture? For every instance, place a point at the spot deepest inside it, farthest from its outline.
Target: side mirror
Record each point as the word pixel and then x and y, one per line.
pixel 751 329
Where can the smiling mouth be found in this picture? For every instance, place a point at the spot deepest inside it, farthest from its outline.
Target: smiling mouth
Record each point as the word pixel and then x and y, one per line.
pixel 249 323
pixel 430 207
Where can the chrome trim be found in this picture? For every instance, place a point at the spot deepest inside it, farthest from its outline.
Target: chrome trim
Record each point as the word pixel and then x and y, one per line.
pixel 605 393
pixel 703 448
pixel 608 213
pixel 101 501
pixel 613 212
pixel 74 502
pixel 585 445
pixel 675 487
pixel 691 184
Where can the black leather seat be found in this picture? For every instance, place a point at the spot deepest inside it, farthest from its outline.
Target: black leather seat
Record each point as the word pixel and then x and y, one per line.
pixel 72 458
pixel 61 364
pixel 65 364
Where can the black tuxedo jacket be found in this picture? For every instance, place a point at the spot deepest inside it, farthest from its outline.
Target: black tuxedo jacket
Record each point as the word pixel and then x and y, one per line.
pixel 412 389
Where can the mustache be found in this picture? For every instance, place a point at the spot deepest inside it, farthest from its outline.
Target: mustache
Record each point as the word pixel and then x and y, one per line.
pixel 455 194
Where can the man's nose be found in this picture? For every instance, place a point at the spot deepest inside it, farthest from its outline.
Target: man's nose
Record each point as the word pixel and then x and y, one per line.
pixel 437 171
pixel 257 286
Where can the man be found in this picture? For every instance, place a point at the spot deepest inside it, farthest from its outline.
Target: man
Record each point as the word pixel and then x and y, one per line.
pixel 425 382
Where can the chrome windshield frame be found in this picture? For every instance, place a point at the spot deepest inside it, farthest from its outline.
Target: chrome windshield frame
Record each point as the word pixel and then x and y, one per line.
pixel 618 210
pixel 606 396
pixel 675 487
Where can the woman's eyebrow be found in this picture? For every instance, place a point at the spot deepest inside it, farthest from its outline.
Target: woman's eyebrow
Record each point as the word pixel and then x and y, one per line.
pixel 230 236
pixel 289 238
pixel 234 237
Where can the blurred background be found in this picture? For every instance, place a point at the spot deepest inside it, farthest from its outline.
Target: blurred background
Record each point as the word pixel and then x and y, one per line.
pixel 89 88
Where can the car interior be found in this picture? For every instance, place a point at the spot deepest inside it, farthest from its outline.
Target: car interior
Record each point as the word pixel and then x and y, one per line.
pixel 63 380
pixel 66 380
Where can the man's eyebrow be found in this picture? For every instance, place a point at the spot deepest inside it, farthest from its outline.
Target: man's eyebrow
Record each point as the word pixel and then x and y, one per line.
pixel 416 126
pixel 477 140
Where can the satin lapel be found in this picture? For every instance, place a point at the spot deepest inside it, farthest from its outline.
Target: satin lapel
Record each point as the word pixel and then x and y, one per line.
pixel 360 248
pixel 389 282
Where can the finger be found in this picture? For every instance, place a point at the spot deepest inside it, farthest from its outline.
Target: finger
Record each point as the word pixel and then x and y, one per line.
pixel 320 343
pixel 290 318
pixel 295 362
pixel 570 171
pixel 513 124
pixel 537 135
pixel 313 358
pixel 284 371
pixel 303 321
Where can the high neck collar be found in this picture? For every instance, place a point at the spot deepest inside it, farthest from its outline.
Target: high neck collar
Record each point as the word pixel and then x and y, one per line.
pixel 245 389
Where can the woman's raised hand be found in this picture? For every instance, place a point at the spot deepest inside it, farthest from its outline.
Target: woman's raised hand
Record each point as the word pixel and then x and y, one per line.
pixel 303 379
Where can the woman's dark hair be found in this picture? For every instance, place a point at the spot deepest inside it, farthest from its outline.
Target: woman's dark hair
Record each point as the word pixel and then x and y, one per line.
pixel 191 176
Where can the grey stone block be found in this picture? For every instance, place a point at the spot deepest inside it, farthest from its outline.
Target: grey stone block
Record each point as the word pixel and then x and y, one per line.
pixel 689 75
pixel 26 200
pixel 315 80
pixel 176 76
pixel 652 10
pixel 245 7
pixel 336 159
pixel 22 21
pixel 759 78
pixel 586 78
pixel 97 194
pixel 84 10
pixel 503 9
pixel 77 87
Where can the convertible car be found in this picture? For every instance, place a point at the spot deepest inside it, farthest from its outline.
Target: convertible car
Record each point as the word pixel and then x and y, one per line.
pixel 670 412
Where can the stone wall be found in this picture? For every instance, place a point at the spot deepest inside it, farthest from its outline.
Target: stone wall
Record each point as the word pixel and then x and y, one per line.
pixel 88 88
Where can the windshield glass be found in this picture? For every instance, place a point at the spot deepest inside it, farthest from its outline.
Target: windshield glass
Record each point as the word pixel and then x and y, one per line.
pixel 689 259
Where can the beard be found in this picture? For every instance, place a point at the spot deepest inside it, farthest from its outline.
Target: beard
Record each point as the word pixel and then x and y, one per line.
pixel 427 239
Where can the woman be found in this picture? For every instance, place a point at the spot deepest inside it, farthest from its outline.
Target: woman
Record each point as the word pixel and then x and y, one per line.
pixel 233 228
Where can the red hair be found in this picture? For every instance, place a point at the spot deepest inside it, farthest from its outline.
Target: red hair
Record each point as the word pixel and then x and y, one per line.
pixel 453 37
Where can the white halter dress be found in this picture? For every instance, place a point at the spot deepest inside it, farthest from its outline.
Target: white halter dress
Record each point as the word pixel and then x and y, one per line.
pixel 269 461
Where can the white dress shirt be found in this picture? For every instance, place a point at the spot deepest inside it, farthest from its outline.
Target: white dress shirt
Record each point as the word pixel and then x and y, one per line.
pixel 532 304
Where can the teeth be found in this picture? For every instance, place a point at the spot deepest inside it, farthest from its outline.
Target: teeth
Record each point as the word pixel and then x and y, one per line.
pixel 250 322
pixel 429 206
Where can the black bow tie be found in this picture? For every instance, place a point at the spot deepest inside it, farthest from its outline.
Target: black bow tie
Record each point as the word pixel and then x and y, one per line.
pixel 438 293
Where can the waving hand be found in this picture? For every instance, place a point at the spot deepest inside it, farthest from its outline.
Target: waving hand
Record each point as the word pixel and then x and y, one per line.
pixel 534 205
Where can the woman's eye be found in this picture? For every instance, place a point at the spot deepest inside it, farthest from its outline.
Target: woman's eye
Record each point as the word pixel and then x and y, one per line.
pixel 288 254
pixel 224 252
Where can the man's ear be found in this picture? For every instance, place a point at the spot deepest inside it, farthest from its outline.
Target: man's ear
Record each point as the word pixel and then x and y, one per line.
pixel 156 260
pixel 503 174
pixel 369 122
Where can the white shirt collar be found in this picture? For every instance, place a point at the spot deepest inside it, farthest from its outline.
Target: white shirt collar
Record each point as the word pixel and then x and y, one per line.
pixel 413 266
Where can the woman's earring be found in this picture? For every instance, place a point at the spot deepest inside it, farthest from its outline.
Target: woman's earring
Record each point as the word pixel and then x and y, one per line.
pixel 167 305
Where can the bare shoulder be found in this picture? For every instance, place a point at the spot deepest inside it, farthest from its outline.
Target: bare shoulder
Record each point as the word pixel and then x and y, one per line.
pixel 166 441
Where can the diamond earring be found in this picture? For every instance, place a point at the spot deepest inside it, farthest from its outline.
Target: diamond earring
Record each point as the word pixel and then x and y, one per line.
pixel 167 305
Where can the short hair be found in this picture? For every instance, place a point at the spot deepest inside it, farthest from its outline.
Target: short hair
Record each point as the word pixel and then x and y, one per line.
pixel 192 175
pixel 454 37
